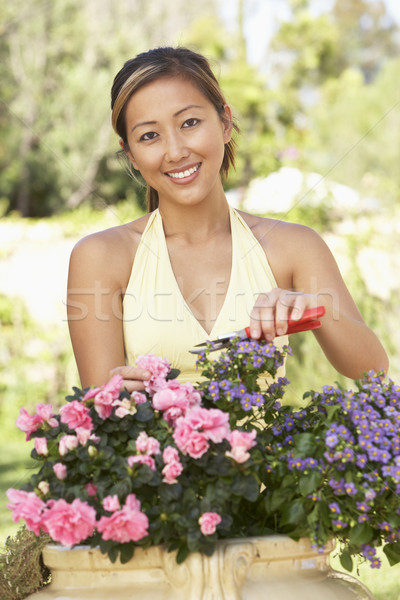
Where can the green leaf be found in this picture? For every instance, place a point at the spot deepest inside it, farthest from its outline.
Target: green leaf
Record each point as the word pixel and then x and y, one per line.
pixel 346 561
pixel 331 410
pixel 173 374
pixel 360 534
pixel 294 513
pixel 305 443
pixel 144 413
pixel 127 551
pixel 309 483
pixel 276 499
pixel 183 553
pixel 392 552
pixel 113 554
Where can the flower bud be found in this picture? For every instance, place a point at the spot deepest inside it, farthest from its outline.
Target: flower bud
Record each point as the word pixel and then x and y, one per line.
pixel 92 451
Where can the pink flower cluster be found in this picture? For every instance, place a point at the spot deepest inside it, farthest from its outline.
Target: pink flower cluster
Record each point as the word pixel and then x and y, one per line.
pixel 70 524
pixel 198 426
pixel 241 442
pixel 126 524
pixel 31 423
pixel 173 466
pixel 106 397
pixel 159 369
pixel 208 522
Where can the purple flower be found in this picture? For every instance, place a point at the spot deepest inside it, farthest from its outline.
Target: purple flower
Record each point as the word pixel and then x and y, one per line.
pixel 363 506
pixel 350 489
pixel 335 508
pixel 339 524
pixel 361 460
pixel 246 402
pixel 385 526
pixel 331 440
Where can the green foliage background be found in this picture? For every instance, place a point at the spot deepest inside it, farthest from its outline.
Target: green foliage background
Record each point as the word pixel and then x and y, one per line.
pixel 324 98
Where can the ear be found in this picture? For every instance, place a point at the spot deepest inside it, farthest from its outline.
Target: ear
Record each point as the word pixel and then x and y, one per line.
pixel 128 153
pixel 227 123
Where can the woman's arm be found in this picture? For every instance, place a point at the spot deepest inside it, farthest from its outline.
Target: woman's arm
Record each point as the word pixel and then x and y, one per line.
pixel 97 272
pixel 308 276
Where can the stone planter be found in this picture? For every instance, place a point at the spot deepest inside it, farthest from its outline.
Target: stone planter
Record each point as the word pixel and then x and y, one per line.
pixel 259 568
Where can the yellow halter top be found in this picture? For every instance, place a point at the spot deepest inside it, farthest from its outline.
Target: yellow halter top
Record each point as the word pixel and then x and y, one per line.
pixel 156 318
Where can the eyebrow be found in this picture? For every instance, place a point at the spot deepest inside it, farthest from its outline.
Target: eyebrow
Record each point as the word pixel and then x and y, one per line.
pixel 145 123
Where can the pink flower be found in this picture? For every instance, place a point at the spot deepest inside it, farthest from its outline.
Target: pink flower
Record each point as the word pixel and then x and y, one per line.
pixel 45 412
pixel 241 442
pixel 171 471
pixel 125 525
pixel 146 444
pixel 142 459
pixel 114 386
pixel 90 393
pixel 190 441
pixel 159 369
pixel 69 524
pixel 103 404
pixel 105 397
pixel 111 503
pixel 124 407
pixel 75 414
pixel 60 470
pixel 213 422
pixel 170 454
pixel 175 398
pixel 208 522
pixel 27 506
pixel 67 443
pixel 199 425
pixel 91 489
pixel 83 435
pixel 41 446
pixel 138 397
pixel 27 423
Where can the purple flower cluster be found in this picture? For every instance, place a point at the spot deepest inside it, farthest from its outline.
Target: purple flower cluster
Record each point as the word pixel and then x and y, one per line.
pixel 239 374
pixel 350 440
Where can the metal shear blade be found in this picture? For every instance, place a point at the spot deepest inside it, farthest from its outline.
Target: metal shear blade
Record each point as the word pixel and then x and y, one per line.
pixel 309 320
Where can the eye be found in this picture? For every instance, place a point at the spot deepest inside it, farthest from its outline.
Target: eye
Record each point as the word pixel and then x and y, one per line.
pixel 146 137
pixel 192 122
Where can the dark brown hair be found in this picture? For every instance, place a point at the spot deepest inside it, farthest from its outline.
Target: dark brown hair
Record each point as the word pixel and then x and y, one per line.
pixel 167 62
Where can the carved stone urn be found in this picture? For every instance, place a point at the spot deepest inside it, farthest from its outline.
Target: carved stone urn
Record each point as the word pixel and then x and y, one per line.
pixel 258 568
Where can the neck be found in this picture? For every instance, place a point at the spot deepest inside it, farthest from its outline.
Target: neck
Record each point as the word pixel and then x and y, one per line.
pixel 199 221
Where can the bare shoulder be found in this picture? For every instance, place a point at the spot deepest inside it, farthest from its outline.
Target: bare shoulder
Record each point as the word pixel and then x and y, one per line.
pixel 289 247
pixel 109 252
pixel 273 232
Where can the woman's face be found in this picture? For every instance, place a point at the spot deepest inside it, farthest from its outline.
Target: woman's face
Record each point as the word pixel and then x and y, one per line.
pixel 176 140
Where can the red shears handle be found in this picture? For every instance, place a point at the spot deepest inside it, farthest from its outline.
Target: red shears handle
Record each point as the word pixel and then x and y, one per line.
pixel 309 320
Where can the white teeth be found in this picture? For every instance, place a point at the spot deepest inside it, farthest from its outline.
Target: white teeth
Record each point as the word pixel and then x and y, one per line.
pixel 183 174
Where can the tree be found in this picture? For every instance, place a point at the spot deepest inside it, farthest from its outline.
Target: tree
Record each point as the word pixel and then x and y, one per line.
pixel 59 59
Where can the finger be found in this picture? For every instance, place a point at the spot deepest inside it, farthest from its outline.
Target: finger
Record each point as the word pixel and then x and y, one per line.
pixel 129 372
pixel 283 307
pixel 261 315
pixel 132 385
pixel 301 302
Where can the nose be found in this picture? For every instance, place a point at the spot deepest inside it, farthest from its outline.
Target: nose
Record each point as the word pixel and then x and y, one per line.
pixel 175 147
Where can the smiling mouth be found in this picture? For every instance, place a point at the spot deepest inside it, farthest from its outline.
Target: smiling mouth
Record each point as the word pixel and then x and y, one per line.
pixel 183 174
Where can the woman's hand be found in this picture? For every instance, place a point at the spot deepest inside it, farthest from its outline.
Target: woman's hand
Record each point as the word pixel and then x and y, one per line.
pixel 272 310
pixel 134 377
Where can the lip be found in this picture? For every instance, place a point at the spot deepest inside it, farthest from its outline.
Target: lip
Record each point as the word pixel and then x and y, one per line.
pixel 184 180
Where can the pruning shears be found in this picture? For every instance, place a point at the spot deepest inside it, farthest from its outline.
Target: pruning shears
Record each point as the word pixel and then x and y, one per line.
pixel 309 320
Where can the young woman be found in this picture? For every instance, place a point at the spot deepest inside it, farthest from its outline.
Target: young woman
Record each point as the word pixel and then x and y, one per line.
pixel 193 267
